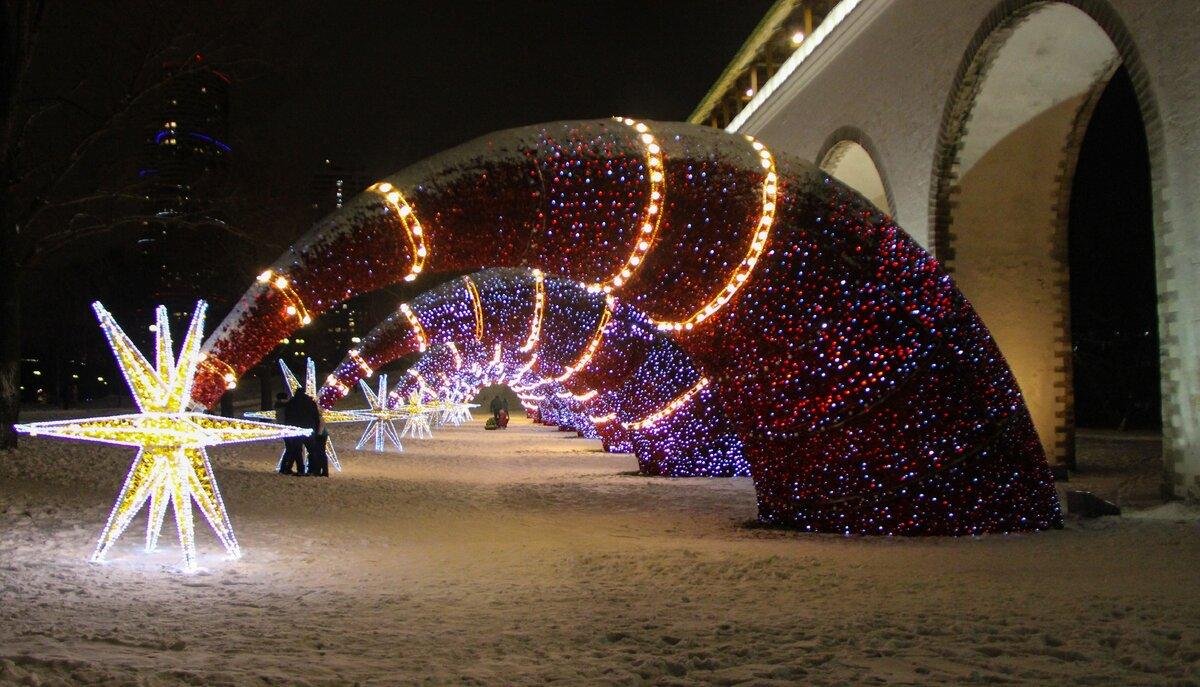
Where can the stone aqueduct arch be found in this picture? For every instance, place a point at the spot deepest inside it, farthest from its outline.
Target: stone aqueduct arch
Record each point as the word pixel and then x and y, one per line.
pixel 868 396
pixel 1010 137
pixel 849 156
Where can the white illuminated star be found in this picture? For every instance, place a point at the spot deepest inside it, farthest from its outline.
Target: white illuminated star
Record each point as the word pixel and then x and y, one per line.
pixel 380 417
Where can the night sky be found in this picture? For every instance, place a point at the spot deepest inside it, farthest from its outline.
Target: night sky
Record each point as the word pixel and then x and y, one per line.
pixel 381 85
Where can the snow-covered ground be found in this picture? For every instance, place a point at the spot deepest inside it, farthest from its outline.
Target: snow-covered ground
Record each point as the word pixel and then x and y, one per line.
pixel 529 557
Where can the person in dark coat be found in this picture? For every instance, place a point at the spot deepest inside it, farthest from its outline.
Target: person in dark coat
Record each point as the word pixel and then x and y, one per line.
pixel 496 406
pixel 318 459
pixel 281 400
pixel 300 411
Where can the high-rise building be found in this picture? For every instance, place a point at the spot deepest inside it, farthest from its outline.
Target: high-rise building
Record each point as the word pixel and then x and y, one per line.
pixel 332 185
pixel 187 154
pixel 338 329
pixel 184 176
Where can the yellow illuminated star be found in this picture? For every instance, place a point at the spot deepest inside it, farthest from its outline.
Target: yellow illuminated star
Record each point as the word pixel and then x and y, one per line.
pixel 171 467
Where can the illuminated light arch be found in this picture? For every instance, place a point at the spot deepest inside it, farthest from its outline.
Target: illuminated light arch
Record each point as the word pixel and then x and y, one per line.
pixel 462 374
pixel 667 410
pixel 362 364
pixel 458 361
pixel 227 374
pixel 868 395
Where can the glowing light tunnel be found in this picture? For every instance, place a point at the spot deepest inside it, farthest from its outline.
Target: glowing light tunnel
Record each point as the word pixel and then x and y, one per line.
pixel 534 328
pixel 867 395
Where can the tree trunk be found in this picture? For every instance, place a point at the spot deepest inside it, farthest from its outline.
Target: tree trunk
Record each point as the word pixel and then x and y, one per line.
pixel 10 352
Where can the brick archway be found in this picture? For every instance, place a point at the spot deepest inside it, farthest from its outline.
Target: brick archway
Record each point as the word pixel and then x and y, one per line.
pixel 988 146
pixel 849 144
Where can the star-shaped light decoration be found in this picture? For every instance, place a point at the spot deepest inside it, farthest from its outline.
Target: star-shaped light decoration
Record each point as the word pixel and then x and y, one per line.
pixel 452 412
pixel 417 423
pixel 171 467
pixel 310 388
pixel 380 417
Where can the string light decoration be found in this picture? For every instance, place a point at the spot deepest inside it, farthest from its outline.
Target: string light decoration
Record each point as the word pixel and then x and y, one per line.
pixel 458 361
pixel 172 466
pixel 416 424
pixel 361 363
pixel 867 396
pixel 593 344
pixel 227 374
pixel 652 216
pixel 295 305
pixel 666 411
pixel 463 377
pixel 539 311
pixel 422 340
pixel 412 227
pixel 447 400
pixel 476 307
pixel 461 373
pixel 613 437
pixel 456 412
pixel 758 242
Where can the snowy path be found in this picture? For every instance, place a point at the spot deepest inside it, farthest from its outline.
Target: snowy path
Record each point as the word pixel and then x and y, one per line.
pixel 529 556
